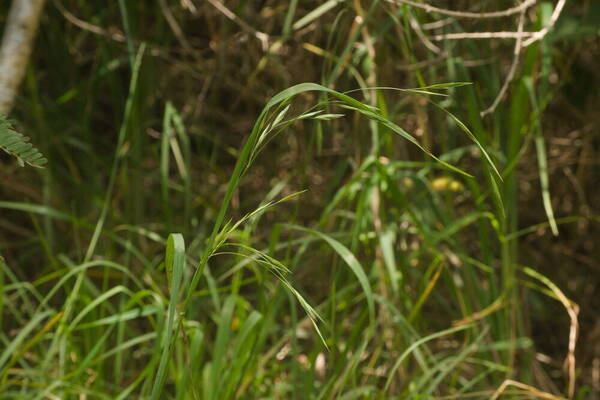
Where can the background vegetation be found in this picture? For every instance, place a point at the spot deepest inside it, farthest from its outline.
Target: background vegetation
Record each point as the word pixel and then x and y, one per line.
pixel 205 228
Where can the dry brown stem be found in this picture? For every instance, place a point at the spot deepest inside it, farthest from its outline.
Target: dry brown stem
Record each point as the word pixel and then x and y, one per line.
pixel 512 70
pixel 261 36
pixel 86 26
pixel 465 14
pixel 174 25
pixel 553 18
pixel 529 390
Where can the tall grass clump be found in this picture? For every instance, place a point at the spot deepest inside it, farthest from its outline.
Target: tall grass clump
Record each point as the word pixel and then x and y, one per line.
pixel 195 236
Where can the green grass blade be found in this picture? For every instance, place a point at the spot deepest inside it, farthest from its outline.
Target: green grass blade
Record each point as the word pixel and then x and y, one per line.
pixel 350 260
pixel 12 347
pixel 316 13
pixel 416 344
pixel 542 158
pixel 175 264
pixel 220 348
pixel 133 85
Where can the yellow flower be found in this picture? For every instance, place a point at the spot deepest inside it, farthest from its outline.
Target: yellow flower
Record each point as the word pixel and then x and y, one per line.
pixel 442 183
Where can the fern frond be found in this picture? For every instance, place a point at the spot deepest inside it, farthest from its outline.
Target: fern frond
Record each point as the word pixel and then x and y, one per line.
pixel 17 145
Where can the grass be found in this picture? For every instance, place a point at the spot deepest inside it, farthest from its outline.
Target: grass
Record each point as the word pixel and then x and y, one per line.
pixel 196 236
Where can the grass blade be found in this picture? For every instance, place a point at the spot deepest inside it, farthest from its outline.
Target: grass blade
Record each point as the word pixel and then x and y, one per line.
pixel 175 265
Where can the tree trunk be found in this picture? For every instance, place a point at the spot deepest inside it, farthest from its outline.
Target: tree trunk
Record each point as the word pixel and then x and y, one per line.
pixel 17 42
